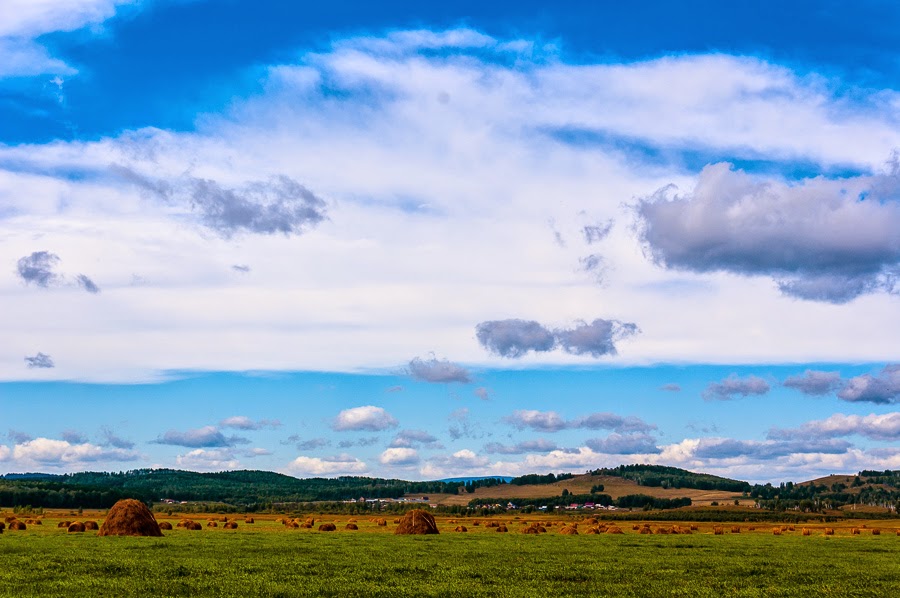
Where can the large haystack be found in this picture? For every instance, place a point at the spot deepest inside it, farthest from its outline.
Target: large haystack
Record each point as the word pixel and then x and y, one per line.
pixel 417 521
pixel 129 517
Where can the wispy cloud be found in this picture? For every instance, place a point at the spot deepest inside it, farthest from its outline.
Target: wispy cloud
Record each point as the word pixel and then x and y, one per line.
pixel 734 386
pixel 551 421
pixel 368 418
pixel 205 437
pixel 438 371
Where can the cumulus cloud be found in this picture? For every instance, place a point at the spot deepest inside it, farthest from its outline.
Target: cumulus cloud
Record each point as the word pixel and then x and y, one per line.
pixel 38 267
pixel 815 383
pixel 551 421
pixel 435 370
pixel 326 466
pixel 820 239
pixel 60 453
pixel 624 444
pixel 205 437
pixel 399 457
pixel 242 422
pixel 733 387
pixel 595 339
pixel 39 361
pixel 514 338
pixel 412 438
pixel 883 388
pixel 208 460
pixel 526 446
pixel 462 460
pixel 278 205
pixel 875 427
pixel 368 418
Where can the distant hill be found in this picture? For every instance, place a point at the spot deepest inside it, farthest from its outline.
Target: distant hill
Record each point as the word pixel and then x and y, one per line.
pixel 504 479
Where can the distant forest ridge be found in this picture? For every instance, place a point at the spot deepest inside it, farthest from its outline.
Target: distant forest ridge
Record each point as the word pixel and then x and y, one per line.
pixel 264 490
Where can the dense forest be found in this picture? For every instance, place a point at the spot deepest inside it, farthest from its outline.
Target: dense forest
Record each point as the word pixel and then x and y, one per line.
pixel 672 477
pixel 250 490
pixel 264 491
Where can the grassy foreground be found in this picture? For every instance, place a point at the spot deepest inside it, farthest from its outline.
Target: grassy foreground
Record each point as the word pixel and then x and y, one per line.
pixel 265 563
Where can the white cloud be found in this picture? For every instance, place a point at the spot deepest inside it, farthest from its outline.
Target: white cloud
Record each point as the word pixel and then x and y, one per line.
pixel 48 452
pixel 369 418
pixel 242 422
pixel 884 426
pixel 326 466
pixel 417 178
pixel 208 460
pixel 399 457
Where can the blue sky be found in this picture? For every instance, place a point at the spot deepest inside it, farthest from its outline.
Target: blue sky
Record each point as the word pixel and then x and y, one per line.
pixel 440 240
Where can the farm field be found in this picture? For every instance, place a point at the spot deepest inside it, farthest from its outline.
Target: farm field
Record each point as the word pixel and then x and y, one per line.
pixel 267 559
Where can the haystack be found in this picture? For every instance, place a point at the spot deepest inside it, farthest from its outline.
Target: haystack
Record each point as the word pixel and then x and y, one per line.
pixel 64 524
pixel 327 527
pixel 163 525
pixel 381 522
pixel 502 529
pixel 829 531
pixel 193 526
pixel 614 530
pixel 776 531
pixel 568 531
pixel 10 518
pixel 735 529
pixel 76 527
pixel 593 530
pixel 645 530
pixel 212 524
pixel 2 526
pixel 129 517
pixel 530 530
pixel 17 526
pixel 351 526
pixel 718 531
pixel 805 531
pixel 230 525
pixel 876 532
pixel 417 521
pixel 249 520
pixel 461 528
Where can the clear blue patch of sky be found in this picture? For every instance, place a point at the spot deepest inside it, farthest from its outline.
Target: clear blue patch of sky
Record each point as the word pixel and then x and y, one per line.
pixel 164 64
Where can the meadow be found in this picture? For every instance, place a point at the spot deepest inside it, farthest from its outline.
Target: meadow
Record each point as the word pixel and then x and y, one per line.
pixel 267 559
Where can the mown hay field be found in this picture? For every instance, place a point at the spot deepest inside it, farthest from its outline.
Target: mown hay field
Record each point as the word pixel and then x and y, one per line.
pixel 266 558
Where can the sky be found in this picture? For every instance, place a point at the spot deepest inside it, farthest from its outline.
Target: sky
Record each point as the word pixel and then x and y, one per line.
pixel 427 240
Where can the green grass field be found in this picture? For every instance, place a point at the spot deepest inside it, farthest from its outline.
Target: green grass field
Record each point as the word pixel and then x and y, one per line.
pixel 267 562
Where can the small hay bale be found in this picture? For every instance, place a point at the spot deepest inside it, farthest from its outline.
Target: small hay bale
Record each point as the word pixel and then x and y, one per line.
pixel 249 520
pixel 695 527
pixel 718 531
pixel 296 525
pixel 396 521
pixel 614 530
pixel 212 524
pixel 791 528
pixel 92 526
pixel 776 531
pixel 351 526
pixel 854 531
pixel 592 530
pixel 645 530
pixel 806 531
pixel 417 521
pixel 16 525
pixel 829 531
pixel 76 527
pixel 10 518
pixel 735 529
pixel 193 526
pixel 164 525
pixel 129 517
pixel 568 531
pixel 663 531
pixel 876 532
pixel 476 523
pixel 751 528
pixel 461 528
pixel 230 525
pixel 64 524
pixel 530 530
pixel 327 527
pixel 2 525
pixel 502 529
pixel 492 524
pixel 380 522
pixel 351 520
